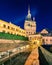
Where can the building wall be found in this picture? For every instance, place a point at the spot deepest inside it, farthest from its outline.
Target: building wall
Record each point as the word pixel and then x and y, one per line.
pixel 11 28
pixel 30 27
pixel 9 44
pixel 35 36
pixel 10 41
pixel 47 39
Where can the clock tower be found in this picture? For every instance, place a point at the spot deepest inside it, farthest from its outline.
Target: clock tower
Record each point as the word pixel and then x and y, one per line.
pixel 30 25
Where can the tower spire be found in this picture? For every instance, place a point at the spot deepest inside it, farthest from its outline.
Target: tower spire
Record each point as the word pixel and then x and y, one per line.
pixel 29 14
pixel 28 9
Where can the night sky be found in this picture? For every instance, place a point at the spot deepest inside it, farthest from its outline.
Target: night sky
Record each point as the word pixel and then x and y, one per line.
pixel 16 12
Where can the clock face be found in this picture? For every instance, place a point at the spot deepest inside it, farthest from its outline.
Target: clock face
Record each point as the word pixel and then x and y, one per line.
pixel 30 25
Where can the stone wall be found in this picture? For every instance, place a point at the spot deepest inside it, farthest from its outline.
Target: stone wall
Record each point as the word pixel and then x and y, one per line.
pixel 10 41
pixel 8 44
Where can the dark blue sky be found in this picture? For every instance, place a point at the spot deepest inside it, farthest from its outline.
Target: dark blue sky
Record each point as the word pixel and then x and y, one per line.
pixel 16 11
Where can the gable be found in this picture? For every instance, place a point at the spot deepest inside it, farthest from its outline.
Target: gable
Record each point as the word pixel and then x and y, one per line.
pixel 44 31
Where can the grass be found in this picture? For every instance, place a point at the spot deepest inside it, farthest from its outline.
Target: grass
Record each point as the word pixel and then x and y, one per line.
pixel 12 37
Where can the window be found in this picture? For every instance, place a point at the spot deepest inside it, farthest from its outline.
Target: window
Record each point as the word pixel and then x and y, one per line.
pixel 31 25
pixel 51 40
pixel 26 32
pixel 16 29
pixel 34 42
pixel 30 38
pixel 29 32
pixel 43 41
pixel 4 26
pixel 4 31
pixel 46 39
pixel 13 28
pixel 8 27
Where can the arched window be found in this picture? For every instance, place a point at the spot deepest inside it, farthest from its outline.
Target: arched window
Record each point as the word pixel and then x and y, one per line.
pixel 8 27
pixel 16 29
pixel 12 28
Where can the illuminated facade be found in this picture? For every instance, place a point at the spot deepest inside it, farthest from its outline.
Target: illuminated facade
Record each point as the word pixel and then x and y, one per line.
pixel 11 28
pixel 47 40
pixel 47 36
pixel 30 27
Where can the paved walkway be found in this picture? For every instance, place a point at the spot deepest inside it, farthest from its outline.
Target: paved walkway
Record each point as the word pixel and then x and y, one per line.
pixel 33 58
